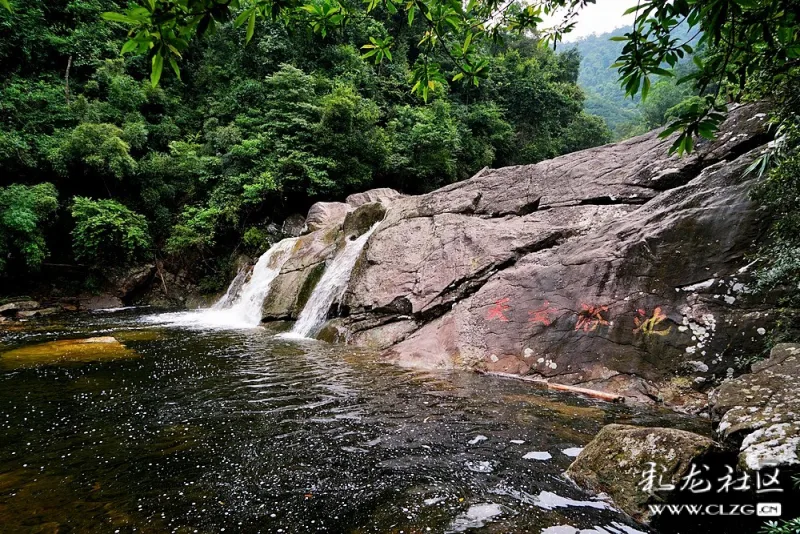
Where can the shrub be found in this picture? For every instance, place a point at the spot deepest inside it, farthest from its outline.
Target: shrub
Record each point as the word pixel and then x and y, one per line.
pixel 106 232
pixel 25 211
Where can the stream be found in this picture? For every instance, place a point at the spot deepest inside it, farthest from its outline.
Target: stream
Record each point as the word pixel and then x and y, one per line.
pixel 210 429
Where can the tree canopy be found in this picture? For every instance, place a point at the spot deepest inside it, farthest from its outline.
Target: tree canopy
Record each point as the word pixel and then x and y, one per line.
pixel 748 39
pixel 194 170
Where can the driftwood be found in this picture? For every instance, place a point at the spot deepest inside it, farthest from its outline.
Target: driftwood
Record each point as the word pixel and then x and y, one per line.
pixel 610 397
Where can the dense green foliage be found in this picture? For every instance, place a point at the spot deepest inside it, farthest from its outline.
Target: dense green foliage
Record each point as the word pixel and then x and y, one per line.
pixel 779 193
pixel 745 40
pixel 106 232
pixel 196 168
pixel 24 213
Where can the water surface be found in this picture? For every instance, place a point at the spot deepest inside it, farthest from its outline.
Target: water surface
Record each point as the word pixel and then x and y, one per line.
pixel 213 430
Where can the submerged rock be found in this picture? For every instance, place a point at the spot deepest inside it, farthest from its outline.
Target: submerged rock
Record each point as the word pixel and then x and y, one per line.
pixel 615 461
pixel 759 413
pixel 66 351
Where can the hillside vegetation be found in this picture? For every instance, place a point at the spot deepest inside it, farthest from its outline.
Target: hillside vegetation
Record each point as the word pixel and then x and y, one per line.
pixel 101 167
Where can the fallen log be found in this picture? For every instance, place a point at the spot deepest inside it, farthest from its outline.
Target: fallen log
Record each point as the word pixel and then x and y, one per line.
pixel 610 397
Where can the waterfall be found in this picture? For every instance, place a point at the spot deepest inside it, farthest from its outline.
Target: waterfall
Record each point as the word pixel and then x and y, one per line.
pixel 331 286
pixel 234 289
pixel 240 307
pixel 247 306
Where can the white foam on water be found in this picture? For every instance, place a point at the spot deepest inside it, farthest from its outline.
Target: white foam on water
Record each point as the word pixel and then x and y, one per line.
pixel 238 308
pixel 550 501
pixel 475 517
pixel 613 528
pixel 234 289
pixel 572 452
pixel 537 455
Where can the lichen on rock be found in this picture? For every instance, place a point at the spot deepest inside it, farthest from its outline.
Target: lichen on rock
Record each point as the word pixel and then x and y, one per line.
pixel 759 413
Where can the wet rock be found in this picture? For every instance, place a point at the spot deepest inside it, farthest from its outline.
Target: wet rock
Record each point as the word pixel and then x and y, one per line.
pixel 384 195
pixel 66 351
pixel 616 459
pixel 132 280
pixel 333 333
pixel 41 312
pixel 12 308
pixel 758 414
pixel 323 214
pixel 294 225
pixel 291 289
pixel 362 219
pixel 99 302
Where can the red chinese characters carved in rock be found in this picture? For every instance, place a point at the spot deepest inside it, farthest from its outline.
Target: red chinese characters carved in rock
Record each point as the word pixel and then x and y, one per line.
pixel 648 326
pixel 498 310
pixel 542 315
pixel 591 317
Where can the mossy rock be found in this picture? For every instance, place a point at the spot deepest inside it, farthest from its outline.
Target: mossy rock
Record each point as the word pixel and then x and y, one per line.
pixel 615 460
pixel 66 351
pixel 333 332
pixel 362 219
pixel 308 286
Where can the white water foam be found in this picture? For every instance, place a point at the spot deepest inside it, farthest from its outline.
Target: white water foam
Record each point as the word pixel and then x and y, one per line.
pixel 331 286
pixel 234 289
pixel 238 308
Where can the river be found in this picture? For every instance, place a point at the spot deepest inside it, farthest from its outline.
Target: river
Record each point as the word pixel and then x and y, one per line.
pixel 211 429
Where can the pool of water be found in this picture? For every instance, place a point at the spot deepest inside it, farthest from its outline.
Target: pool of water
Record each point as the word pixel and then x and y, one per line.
pixel 212 430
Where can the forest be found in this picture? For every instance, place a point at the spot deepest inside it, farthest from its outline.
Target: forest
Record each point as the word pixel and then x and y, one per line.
pixel 101 168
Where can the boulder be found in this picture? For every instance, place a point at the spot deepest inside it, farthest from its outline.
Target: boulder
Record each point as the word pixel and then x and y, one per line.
pixel 619 268
pixel 383 195
pixel 616 461
pixel 323 214
pixel 293 225
pixel 12 308
pixel 128 282
pixel 759 413
pixel 39 312
pixel 292 287
pixel 100 302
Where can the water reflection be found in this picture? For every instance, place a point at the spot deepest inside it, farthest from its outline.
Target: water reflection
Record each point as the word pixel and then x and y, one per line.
pixel 210 430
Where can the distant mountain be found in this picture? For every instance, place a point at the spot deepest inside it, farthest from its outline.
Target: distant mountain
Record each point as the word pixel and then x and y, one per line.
pixel 604 96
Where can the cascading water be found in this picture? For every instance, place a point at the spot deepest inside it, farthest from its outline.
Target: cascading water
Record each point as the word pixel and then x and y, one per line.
pixel 234 290
pixel 240 307
pixel 331 286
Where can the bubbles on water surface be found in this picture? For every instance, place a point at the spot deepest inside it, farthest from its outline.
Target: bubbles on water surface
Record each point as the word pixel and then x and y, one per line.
pixel 213 429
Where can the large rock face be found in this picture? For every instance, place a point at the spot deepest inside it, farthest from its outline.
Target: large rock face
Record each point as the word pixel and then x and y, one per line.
pixel 613 268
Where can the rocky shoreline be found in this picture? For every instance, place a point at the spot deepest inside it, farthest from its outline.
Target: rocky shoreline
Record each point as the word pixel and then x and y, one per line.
pixel 756 449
